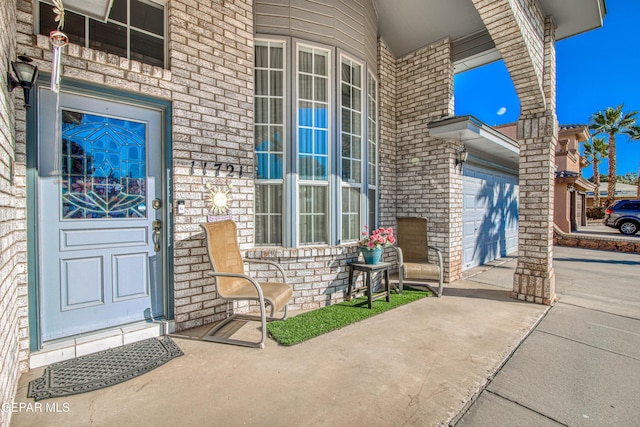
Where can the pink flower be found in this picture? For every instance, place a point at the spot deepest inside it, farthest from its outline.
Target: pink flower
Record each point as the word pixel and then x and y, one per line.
pixel 378 238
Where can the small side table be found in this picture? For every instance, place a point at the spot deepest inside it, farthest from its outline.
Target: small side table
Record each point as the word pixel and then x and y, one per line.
pixel 368 269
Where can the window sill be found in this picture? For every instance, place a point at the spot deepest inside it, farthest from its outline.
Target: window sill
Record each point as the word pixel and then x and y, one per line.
pixel 301 252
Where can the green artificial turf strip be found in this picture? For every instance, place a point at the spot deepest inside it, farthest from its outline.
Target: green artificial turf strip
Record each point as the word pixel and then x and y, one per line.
pixel 308 325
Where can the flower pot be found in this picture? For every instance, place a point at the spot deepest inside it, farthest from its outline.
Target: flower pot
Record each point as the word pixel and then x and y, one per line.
pixel 371 256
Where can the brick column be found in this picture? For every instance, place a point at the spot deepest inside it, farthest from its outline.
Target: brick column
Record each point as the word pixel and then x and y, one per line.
pixel 534 279
pixel 526 40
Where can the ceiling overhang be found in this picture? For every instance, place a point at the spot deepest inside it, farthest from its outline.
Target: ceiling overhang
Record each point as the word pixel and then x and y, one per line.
pixel 481 141
pixel 409 25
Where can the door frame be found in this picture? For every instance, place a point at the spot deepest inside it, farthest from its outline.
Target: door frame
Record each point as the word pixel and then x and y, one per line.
pixel 33 285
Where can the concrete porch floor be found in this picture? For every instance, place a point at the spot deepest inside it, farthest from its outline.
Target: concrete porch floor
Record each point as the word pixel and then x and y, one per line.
pixel 416 365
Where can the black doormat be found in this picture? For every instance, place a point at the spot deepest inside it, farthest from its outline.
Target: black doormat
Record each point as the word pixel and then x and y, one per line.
pixel 103 369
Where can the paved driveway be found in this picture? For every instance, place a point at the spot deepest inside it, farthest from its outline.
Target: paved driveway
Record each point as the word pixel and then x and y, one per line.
pixel 581 364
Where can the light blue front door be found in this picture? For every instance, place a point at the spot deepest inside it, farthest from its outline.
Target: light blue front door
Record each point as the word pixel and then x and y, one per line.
pixel 99 201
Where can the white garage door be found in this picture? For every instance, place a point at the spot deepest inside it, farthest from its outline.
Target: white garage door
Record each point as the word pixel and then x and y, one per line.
pixel 489 215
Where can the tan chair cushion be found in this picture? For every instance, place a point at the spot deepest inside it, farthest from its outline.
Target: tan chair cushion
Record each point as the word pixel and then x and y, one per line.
pixel 278 294
pixel 421 271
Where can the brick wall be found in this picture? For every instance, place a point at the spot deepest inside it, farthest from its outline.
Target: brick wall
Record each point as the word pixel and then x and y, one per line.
pixel 387 84
pixel 319 275
pixel 427 182
pixel 211 59
pixel 601 243
pixel 12 220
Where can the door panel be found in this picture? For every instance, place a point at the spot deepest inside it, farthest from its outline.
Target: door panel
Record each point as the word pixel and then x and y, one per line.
pixel 99 169
pixel 130 276
pixel 78 239
pixel 81 283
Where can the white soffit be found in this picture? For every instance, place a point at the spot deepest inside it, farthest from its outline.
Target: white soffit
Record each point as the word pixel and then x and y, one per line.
pixel 481 140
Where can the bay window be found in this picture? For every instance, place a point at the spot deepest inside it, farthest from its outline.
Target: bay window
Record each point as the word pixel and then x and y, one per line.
pixel 315 145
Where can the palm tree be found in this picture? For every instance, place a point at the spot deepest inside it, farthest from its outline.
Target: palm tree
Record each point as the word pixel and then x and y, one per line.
pixel 594 152
pixel 612 122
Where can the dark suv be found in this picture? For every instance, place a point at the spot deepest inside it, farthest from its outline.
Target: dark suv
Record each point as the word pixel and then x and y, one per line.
pixel 624 215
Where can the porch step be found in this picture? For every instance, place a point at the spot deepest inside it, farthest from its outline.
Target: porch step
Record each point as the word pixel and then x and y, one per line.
pixel 80 345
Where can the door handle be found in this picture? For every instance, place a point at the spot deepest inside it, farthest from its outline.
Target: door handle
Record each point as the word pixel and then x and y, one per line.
pixel 156 225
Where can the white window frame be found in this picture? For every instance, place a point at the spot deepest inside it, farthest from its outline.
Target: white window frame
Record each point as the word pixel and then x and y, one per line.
pixel 298 182
pixel 268 182
pixel 361 185
pixel 375 186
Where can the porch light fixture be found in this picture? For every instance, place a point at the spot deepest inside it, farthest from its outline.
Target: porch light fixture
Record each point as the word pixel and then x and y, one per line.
pixel 463 155
pixel 26 74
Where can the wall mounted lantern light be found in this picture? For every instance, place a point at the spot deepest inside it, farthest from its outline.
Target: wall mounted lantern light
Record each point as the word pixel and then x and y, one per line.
pixel 26 74
pixel 463 155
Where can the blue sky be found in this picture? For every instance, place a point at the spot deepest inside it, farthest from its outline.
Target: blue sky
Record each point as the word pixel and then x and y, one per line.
pixel 595 70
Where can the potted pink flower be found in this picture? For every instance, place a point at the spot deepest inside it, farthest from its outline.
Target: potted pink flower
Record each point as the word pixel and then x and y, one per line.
pixel 372 244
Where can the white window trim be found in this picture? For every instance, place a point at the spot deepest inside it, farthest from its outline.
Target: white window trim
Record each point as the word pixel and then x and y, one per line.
pixel 375 186
pixel 296 181
pixel 286 130
pixel 363 146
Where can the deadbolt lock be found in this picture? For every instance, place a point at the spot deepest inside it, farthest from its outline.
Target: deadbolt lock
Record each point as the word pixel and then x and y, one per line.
pixel 156 204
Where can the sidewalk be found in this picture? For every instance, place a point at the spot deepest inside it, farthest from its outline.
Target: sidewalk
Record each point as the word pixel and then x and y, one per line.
pixel 581 364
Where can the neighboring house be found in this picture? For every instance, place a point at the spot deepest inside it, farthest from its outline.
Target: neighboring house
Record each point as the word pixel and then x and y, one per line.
pixel 570 189
pixel 623 191
pixel 570 192
pixel 104 185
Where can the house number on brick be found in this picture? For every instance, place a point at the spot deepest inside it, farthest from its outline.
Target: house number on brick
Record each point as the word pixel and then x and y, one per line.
pixel 228 171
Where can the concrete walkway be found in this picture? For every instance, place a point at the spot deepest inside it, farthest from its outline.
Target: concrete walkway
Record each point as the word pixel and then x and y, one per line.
pixel 418 365
pixel 581 364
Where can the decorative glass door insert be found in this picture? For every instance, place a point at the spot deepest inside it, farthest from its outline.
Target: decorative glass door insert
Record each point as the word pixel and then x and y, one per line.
pixel 103 167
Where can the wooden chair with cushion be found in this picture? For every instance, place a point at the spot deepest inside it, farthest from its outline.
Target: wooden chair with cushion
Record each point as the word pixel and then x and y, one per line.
pixel 233 284
pixel 415 265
